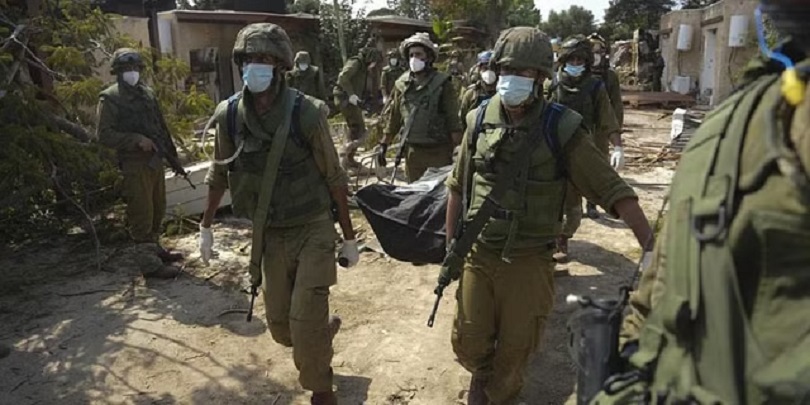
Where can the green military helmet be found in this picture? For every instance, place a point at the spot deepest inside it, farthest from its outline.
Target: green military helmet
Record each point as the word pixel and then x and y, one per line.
pixel 577 45
pixel 263 38
pixel 303 57
pixel 392 53
pixel 419 39
pixel 523 48
pixel 126 57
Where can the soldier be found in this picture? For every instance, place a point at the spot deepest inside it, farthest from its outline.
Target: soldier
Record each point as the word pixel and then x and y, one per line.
pixel 482 89
pixel 455 68
pixel 725 298
pixel 603 71
pixel 506 289
pixel 578 89
pixel 424 108
pixel 351 86
pixel 306 77
pixel 390 74
pixel 283 173
pixel 130 121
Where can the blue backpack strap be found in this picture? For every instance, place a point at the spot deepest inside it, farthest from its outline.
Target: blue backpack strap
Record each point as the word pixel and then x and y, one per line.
pixel 596 86
pixel 230 118
pixel 550 121
pixel 295 126
pixel 479 123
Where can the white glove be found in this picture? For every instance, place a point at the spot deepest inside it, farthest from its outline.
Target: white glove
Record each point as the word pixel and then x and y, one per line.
pixel 617 158
pixel 350 252
pixel 206 243
pixel 385 100
pixel 646 260
pixel 353 99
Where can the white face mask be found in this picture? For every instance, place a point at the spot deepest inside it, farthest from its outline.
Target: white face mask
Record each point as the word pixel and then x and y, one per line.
pixel 393 61
pixel 303 66
pixel 488 76
pixel 131 78
pixel 416 64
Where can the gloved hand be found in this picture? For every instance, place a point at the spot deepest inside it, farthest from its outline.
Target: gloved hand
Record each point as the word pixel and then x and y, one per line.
pixel 617 158
pixel 385 100
pixel 206 243
pixel 451 269
pixel 349 252
pixel 380 150
pixel 354 100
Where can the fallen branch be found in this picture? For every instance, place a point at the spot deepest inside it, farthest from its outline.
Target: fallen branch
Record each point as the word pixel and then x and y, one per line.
pixel 88 292
pixel 83 211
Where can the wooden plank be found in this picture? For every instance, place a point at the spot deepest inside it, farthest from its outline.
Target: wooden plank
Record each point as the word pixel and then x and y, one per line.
pixel 183 200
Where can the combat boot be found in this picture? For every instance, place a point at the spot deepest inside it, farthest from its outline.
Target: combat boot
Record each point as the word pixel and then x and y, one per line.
pixel 169 257
pixel 477 394
pixel 324 398
pixel 591 211
pixel 561 255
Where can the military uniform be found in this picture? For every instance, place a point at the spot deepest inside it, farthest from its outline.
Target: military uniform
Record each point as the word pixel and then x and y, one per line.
pixel 507 286
pixel 126 115
pixel 471 98
pixel 586 95
pixel 614 92
pixel 309 81
pixel 435 103
pixel 297 250
pixel 352 81
pixel 390 74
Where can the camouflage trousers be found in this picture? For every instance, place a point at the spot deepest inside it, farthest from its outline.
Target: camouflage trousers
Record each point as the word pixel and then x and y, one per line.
pixel 501 313
pixel 298 267
pixel 418 158
pixel 144 191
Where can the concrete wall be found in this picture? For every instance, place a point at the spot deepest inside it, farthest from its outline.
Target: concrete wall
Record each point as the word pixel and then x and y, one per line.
pixel 728 61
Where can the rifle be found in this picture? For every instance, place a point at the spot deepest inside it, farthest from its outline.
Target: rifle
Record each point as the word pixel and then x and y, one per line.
pixel 253 293
pixel 172 160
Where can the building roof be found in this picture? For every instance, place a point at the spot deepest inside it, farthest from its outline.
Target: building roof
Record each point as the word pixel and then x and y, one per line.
pixel 397 20
pixel 242 17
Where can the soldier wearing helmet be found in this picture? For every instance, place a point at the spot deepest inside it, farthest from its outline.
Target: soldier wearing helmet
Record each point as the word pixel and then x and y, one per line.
pixel 131 122
pixel 602 70
pixel 390 73
pixel 423 110
pixel 306 77
pixel 482 89
pixel 720 313
pixel 507 283
pixel 274 152
pixel 455 67
pixel 349 91
pixel 580 90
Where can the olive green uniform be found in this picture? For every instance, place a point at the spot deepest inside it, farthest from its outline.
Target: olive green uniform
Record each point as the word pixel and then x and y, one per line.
pixel 309 81
pixel 298 265
pixel 429 143
pixel 502 306
pixel 352 80
pixel 127 114
pixel 388 77
pixel 587 96
pixel 749 282
pixel 471 98
pixel 614 91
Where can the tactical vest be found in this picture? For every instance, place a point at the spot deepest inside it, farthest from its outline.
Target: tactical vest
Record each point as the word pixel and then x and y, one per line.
pixel 582 99
pixel 429 126
pixel 727 332
pixel 300 194
pixel 480 94
pixel 306 81
pixel 391 75
pixel 531 211
pixel 138 112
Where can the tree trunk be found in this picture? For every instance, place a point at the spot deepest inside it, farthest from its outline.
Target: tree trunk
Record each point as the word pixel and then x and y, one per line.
pixel 341 35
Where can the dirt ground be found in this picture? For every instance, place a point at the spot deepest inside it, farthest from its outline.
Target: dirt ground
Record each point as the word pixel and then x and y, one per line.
pixel 80 336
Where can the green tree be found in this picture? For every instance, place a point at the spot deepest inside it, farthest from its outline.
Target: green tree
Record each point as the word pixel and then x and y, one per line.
pixel 692 4
pixel 523 13
pixel 355 30
pixel 50 170
pixel 380 12
pixel 306 6
pixel 418 9
pixel 625 16
pixel 575 20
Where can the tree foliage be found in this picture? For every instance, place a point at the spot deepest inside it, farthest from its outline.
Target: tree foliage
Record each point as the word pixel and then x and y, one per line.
pixel 523 13
pixel 418 9
pixel 385 11
pixel 356 34
pixel 306 6
pixel 625 16
pixel 47 163
pixel 692 4
pixel 575 20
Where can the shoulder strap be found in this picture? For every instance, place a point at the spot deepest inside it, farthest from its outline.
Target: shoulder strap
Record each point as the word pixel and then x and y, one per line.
pixel 551 121
pixel 597 84
pixel 277 147
pixel 231 114
pixel 295 123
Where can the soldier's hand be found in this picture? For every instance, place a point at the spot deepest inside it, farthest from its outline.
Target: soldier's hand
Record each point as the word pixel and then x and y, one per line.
pixel 354 100
pixel 350 253
pixel 617 158
pixel 206 243
pixel 146 144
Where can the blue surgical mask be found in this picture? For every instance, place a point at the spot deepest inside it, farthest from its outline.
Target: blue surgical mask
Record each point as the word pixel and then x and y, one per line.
pixel 515 90
pixel 257 76
pixel 574 71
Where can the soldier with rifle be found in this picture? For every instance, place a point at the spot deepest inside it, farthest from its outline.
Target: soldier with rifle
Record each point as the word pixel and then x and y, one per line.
pixel 505 202
pixel 721 316
pixel 426 103
pixel 130 121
